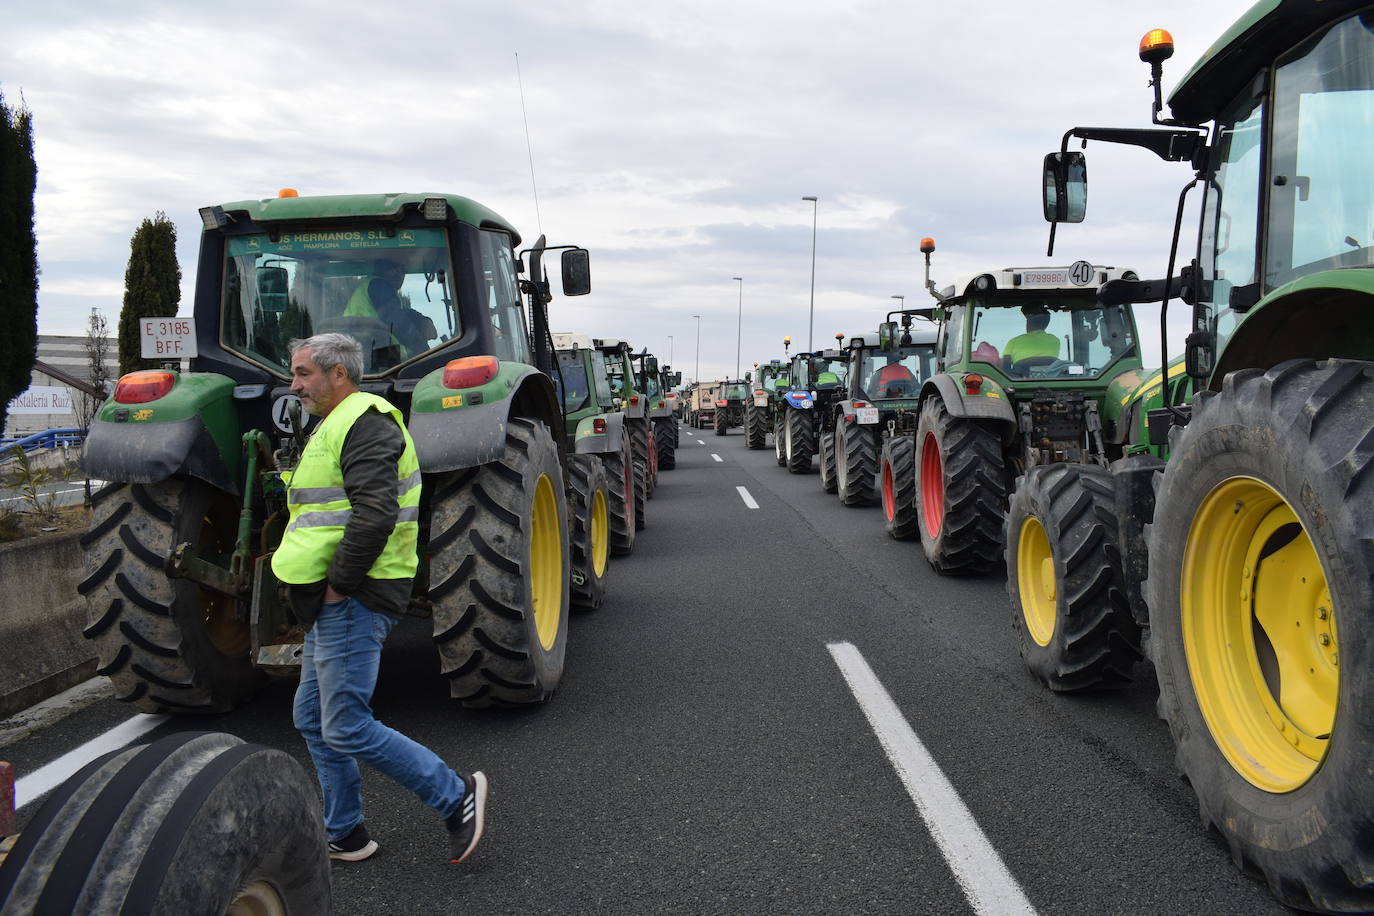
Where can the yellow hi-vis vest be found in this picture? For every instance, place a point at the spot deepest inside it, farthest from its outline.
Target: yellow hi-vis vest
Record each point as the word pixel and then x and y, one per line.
pixel 320 508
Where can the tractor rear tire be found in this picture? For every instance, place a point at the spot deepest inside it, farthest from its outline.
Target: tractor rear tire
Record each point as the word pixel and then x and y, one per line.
pixel 898 476
pixel 721 420
pixel 197 822
pixel 589 544
pixel 620 497
pixel 641 444
pixel 856 466
pixel 641 478
pixel 499 573
pixel 755 428
pixel 1069 606
pixel 826 454
pixel 801 440
pixel 961 490
pixel 1262 623
pixel 167 645
pixel 780 441
pixel 665 440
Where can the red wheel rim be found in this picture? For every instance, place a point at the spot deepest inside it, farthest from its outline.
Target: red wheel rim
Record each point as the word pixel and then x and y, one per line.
pixel 889 500
pixel 932 485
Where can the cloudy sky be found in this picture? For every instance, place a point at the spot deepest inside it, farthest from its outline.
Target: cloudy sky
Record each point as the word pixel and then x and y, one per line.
pixel 673 140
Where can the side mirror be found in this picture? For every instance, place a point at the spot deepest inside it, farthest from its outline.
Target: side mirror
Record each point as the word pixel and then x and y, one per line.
pixel 651 365
pixel 1066 187
pixel 676 378
pixel 577 272
pixel 887 333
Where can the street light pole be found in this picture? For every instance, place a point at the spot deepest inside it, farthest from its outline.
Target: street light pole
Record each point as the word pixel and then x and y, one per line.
pixel 670 349
pixel 901 301
pixel 697 376
pixel 811 320
pixel 739 325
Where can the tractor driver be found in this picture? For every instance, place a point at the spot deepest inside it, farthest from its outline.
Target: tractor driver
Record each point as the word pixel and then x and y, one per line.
pixel 892 380
pixel 1036 342
pixel 378 297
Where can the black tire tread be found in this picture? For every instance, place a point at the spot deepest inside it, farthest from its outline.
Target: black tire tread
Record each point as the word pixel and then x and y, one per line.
pixel 859 469
pixel 899 452
pixel 970 540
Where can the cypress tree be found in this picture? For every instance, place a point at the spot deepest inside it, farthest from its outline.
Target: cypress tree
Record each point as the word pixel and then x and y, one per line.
pixel 152 287
pixel 18 254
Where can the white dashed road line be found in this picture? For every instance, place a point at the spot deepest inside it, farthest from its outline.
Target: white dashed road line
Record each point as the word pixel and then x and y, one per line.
pixel 990 888
pixel 748 500
pixel 44 779
pixel 717 457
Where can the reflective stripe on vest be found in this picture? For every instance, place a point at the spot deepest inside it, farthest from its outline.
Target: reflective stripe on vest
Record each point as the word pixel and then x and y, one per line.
pixel 320 508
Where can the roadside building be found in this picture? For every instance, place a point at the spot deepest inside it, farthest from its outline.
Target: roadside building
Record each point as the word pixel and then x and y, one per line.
pixel 61 378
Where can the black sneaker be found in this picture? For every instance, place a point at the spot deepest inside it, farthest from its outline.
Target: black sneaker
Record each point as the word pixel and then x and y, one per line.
pixel 355 847
pixel 465 825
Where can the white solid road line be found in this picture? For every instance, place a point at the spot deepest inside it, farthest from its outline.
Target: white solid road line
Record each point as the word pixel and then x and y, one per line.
pixel 748 500
pixel 717 457
pixel 43 780
pixel 990 888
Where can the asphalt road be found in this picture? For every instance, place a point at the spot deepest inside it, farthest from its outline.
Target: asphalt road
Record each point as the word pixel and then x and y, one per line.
pixel 707 754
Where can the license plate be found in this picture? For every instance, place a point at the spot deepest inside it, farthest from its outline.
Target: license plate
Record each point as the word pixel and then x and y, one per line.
pixel 867 414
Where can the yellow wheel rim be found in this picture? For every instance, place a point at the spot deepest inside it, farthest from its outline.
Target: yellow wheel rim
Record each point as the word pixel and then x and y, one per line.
pixel 257 899
pixel 546 563
pixel 601 533
pixel 1259 631
pixel 1035 581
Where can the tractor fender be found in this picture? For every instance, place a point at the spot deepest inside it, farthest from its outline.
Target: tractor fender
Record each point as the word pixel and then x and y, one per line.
pixel 191 431
pixel 465 435
pixel 976 407
pixel 800 399
pixel 589 442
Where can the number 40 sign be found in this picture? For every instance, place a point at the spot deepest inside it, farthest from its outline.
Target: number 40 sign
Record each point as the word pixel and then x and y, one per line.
pixel 168 338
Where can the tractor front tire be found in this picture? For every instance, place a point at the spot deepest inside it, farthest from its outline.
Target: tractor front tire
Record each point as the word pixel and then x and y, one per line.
pixel 826 455
pixel 590 543
pixel 961 491
pixel 499 573
pixel 1261 598
pixel 857 463
pixel 898 476
pixel 197 822
pixel 1069 606
pixel 780 442
pixel 801 440
pixel 167 645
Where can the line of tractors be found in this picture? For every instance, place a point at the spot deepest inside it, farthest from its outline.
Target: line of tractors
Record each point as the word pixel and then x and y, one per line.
pixel 539 453
pixel 1214 516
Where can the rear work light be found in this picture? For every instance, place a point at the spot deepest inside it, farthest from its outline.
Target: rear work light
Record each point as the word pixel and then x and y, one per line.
pixel 973 383
pixel 634 400
pixel 142 387
pixel 470 371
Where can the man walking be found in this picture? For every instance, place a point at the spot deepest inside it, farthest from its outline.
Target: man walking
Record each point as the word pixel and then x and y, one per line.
pixel 349 557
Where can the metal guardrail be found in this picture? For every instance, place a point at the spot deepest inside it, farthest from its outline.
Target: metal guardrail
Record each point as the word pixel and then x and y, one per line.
pixel 48 438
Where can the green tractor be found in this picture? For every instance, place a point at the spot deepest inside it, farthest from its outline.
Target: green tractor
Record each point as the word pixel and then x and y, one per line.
pixel 769 382
pixel 731 397
pixel 656 382
pixel 595 437
pixel 1245 556
pixel 634 404
pixel 183 608
pixel 1025 360
pixel 882 393
pixel 816 379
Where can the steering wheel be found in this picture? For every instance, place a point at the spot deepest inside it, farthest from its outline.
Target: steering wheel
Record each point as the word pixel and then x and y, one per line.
pixel 371 333
pixel 1022 367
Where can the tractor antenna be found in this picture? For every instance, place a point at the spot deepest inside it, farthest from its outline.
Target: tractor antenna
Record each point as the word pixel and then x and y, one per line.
pixel 529 148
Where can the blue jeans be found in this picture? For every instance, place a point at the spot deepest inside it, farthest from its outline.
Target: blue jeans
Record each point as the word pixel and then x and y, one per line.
pixel 333 712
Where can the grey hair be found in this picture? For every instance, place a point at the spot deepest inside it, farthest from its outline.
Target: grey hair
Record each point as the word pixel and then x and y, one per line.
pixel 330 350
